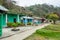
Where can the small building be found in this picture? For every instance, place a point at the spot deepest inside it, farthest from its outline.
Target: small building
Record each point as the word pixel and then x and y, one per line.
pixel 3 11
pixel 27 20
pixel 14 17
pixel 37 19
pixel 9 17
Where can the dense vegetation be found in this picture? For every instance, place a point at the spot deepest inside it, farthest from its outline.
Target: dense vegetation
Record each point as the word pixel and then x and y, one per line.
pixel 12 7
pixel 52 17
pixel 43 9
pixel 37 10
pixel 51 32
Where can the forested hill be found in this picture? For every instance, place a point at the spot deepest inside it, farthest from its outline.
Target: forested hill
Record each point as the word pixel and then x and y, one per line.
pixel 43 9
pixel 12 7
pixel 36 10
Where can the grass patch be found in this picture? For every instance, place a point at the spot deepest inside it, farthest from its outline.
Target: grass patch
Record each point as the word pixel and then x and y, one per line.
pixel 50 32
pixel 53 27
pixel 35 37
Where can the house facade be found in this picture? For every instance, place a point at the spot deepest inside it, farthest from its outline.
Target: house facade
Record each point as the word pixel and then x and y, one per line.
pixel 13 17
pixel 27 20
pixel 8 17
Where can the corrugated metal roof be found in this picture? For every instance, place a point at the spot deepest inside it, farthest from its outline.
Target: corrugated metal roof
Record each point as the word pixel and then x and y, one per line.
pixel 3 8
pixel 27 17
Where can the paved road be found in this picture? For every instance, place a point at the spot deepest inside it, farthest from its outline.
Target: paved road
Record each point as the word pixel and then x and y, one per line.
pixel 23 35
pixel 7 31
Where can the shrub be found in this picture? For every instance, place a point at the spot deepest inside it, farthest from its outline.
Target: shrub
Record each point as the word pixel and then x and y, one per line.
pixel 29 23
pixel 22 24
pixel 14 25
pixel 53 16
pixel 9 24
pixel 18 24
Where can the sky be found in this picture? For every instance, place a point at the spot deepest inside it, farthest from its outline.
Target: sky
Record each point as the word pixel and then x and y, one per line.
pixel 33 2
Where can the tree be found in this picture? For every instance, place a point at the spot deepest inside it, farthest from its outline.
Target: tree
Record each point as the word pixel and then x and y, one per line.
pixel 42 9
pixel 54 17
pixel 1 2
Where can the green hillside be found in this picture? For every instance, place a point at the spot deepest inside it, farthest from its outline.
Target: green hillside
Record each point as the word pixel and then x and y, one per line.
pixel 43 9
pixel 36 10
pixel 10 5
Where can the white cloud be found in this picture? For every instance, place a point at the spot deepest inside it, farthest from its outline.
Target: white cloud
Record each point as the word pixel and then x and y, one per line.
pixel 32 2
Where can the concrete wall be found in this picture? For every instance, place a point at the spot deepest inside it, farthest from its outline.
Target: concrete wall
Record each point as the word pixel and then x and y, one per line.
pixel 4 20
pixel 1 24
pixel 11 17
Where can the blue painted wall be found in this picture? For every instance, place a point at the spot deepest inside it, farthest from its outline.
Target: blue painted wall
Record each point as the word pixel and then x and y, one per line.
pixel 25 21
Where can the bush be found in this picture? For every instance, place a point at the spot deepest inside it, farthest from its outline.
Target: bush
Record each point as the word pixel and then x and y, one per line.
pixel 9 24
pixel 18 24
pixel 53 16
pixel 14 25
pixel 22 24
pixel 29 23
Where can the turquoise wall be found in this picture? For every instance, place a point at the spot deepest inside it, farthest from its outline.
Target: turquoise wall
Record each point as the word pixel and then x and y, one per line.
pixel 11 17
pixel 20 18
pixel 4 20
pixel 1 24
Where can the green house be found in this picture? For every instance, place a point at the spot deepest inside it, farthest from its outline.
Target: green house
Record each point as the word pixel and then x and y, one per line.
pixel 6 17
pixel 2 18
pixel 12 17
pixel 9 17
pixel 0 24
